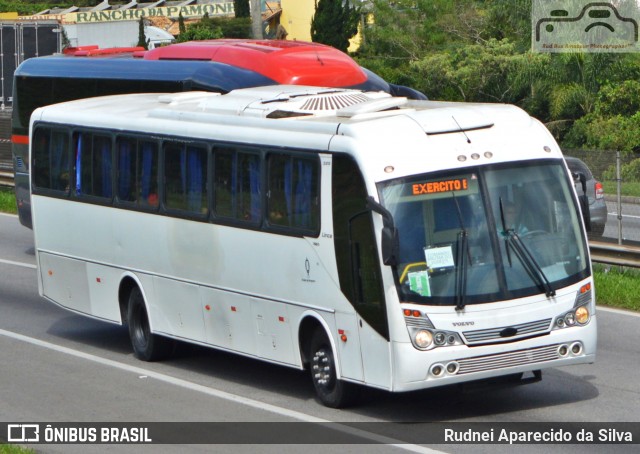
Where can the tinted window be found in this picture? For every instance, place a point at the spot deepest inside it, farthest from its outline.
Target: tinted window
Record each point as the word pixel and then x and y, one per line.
pixel 51 159
pixel 137 171
pixel 293 192
pixel 237 185
pixel 185 177
pixel 93 164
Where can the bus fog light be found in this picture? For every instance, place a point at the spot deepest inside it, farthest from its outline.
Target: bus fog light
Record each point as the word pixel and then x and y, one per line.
pixel 439 338
pixel 570 319
pixel 582 315
pixel 576 348
pixel 423 338
pixel 452 368
pixel 563 350
pixel 560 322
pixel 451 339
pixel 437 370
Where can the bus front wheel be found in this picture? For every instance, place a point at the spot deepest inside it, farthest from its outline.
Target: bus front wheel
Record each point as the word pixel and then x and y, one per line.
pixel 331 391
pixel 146 345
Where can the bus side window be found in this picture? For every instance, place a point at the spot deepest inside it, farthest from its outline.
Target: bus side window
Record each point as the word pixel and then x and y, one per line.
pixel 185 177
pixel 137 172
pixel 237 183
pixel 93 164
pixel 293 192
pixel 355 245
pixel 51 159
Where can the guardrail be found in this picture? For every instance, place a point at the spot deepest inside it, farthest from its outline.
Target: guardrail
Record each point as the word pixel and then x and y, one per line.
pixel 615 254
pixel 6 178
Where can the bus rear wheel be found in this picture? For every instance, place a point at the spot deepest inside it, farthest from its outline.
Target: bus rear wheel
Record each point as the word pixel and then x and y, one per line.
pixel 146 345
pixel 331 391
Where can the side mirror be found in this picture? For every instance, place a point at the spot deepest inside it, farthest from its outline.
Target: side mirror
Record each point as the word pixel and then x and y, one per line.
pixel 390 240
pixel 584 199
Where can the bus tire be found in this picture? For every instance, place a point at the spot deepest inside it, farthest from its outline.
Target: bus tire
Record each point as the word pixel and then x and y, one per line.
pixel 146 345
pixel 331 392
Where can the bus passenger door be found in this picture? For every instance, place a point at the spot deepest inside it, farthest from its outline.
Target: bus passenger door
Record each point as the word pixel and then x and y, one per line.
pixel 359 269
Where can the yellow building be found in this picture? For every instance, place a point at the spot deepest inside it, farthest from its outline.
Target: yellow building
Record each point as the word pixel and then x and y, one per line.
pixel 296 18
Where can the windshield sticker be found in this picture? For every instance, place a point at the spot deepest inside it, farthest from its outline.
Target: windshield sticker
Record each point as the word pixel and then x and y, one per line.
pixel 439 257
pixel 419 283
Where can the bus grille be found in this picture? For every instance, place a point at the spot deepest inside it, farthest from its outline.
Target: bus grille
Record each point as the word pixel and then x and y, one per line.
pixel 525 329
pixel 508 359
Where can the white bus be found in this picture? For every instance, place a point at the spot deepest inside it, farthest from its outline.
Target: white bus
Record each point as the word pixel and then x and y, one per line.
pixel 368 238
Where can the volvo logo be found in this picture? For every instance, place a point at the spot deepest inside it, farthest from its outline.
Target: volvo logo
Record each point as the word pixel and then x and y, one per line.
pixel 509 332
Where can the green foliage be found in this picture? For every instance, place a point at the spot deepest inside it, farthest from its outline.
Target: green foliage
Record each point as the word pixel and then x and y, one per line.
pixel 7 201
pixel 142 39
pixel 619 99
pixel 617 286
pixel 242 8
pixel 201 30
pixel 182 28
pixel 334 23
pixel 490 71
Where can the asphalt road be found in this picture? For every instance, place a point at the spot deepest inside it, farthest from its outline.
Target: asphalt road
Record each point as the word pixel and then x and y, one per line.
pixel 59 367
pixel 628 228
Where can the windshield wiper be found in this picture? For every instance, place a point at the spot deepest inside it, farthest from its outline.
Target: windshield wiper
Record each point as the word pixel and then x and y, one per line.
pixel 462 251
pixel 530 264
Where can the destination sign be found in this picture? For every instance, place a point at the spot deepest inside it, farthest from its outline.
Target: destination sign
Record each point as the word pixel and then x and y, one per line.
pixel 434 187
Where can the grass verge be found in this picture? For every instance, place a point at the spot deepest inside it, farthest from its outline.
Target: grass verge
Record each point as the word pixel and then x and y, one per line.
pixel 14 449
pixel 7 204
pixel 617 286
pixel 628 188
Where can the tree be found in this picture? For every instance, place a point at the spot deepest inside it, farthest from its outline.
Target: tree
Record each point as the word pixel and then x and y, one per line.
pixel 181 26
pixel 334 23
pixel 205 28
pixel 241 8
pixel 142 38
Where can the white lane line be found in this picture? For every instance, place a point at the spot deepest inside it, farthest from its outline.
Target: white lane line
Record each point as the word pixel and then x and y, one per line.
pixel 9 215
pixel 22 264
pixel 617 311
pixel 220 394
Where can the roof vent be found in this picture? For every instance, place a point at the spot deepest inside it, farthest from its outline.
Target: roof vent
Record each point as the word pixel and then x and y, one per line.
pixel 334 101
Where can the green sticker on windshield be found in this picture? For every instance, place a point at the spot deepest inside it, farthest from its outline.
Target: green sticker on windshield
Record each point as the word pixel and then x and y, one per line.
pixel 419 283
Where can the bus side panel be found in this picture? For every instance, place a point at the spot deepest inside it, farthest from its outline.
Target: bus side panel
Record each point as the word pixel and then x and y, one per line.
pixel 64 281
pixel 348 351
pixel 272 329
pixel 103 282
pixel 180 309
pixel 228 322
pixel 376 357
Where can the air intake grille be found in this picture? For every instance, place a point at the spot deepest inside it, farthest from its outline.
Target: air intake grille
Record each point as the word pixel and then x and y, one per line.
pixel 493 334
pixel 333 102
pixel 583 298
pixel 509 359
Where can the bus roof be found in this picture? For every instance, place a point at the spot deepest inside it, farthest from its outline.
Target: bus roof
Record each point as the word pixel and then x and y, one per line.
pixel 387 129
pixel 215 65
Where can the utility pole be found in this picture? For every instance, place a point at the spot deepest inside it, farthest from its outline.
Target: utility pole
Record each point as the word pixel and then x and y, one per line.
pixel 256 19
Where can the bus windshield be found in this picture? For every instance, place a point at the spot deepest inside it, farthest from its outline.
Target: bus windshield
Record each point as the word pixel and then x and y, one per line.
pixel 486 234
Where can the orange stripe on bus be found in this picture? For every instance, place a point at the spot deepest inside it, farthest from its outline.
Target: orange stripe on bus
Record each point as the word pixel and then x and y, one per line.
pixel 22 140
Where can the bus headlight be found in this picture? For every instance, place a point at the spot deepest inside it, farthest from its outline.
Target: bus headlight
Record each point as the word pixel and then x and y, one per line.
pixel 574 317
pixel 582 315
pixel 423 338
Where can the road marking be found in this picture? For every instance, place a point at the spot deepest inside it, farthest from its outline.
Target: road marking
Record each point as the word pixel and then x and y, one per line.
pixel 614 310
pixel 624 215
pixel 220 394
pixel 22 264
